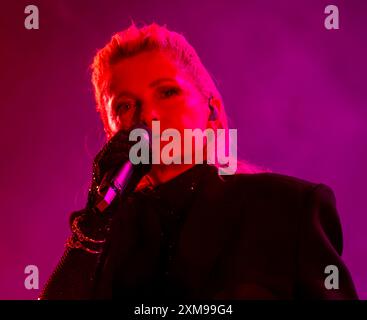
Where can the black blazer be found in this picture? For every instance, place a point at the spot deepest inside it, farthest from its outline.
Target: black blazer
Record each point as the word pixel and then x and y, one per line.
pixel 246 236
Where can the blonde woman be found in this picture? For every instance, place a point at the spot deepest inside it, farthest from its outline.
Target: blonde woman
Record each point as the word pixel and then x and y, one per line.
pixel 183 231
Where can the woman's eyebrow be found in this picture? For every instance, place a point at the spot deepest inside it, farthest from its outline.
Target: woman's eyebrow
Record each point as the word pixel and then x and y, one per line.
pixel 151 85
pixel 158 81
pixel 124 93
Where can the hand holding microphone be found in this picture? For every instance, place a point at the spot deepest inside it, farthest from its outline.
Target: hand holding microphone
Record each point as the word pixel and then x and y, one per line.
pixel 113 173
pixel 114 176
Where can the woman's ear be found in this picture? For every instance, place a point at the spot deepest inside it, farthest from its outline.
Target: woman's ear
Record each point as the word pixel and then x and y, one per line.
pixel 214 105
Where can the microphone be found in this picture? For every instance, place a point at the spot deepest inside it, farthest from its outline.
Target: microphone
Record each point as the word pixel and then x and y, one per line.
pixel 126 177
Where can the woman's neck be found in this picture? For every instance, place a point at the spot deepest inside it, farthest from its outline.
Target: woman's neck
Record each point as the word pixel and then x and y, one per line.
pixel 162 173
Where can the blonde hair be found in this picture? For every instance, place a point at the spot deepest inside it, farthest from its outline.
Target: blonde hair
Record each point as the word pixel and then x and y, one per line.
pixel 135 40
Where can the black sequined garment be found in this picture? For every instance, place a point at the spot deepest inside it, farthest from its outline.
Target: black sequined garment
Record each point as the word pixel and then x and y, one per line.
pixel 160 215
pixel 203 236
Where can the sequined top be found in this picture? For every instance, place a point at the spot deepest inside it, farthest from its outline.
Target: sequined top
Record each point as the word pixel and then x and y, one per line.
pixel 204 237
pixel 160 211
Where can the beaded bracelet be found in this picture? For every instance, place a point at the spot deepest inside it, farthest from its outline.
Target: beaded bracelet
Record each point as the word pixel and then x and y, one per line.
pixel 77 238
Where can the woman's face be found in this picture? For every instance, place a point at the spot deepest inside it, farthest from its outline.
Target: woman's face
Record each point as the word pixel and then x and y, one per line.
pixel 151 86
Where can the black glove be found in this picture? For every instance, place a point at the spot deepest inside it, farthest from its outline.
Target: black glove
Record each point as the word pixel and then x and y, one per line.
pixel 113 154
pixel 110 159
pixel 107 161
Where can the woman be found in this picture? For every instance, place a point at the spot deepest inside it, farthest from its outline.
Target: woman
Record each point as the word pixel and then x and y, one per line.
pixel 182 231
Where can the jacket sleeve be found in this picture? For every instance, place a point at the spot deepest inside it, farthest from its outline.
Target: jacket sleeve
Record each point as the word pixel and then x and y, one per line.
pixel 321 273
pixel 73 278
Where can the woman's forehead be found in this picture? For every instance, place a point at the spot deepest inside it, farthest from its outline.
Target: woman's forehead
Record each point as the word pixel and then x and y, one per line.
pixel 142 71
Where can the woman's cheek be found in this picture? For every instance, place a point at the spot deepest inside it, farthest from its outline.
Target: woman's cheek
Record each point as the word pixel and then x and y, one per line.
pixel 193 119
pixel 125 122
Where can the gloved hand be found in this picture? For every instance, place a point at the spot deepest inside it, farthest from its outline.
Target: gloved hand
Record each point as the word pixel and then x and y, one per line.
pixel 108 160
pixel 113 154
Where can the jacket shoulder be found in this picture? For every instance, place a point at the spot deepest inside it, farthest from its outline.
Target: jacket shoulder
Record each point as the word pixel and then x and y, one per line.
pixel 274 183
pixel 278 196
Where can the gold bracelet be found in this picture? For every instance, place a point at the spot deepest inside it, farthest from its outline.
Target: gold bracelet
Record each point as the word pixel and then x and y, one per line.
pixel 73 243
pixel 80 235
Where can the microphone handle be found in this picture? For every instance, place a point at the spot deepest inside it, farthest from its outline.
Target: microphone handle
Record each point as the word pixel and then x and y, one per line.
pixel 117 186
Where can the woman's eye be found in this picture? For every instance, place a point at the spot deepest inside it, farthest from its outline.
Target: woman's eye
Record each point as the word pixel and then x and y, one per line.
pixel 124 106
pixel 167 93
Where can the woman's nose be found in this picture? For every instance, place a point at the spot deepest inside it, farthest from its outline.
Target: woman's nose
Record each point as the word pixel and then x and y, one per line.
pixel 148 114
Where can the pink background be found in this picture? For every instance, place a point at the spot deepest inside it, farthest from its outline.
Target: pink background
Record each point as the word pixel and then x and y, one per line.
pixel 295 91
